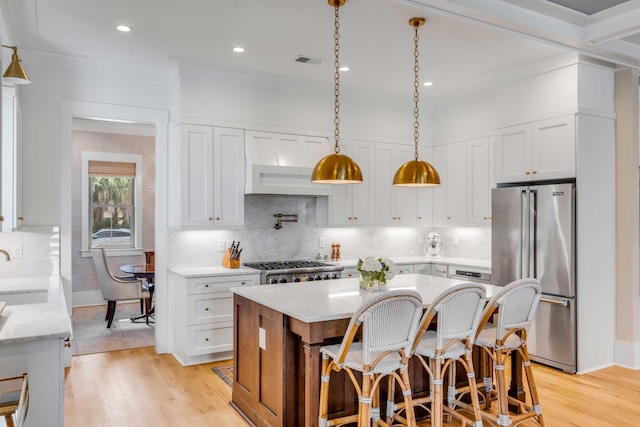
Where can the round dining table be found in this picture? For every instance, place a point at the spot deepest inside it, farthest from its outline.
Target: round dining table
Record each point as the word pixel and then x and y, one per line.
pixel 142 271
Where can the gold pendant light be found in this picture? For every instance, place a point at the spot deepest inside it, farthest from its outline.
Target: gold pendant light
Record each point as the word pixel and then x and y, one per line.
pixel 15 73
pixel 336 168
pixel 416 173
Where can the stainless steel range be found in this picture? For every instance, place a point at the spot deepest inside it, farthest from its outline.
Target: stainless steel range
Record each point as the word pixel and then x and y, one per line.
pixel 272 272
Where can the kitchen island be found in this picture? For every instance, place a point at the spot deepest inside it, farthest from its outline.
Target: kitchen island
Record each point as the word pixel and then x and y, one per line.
pixel 278 332
pixel 33 331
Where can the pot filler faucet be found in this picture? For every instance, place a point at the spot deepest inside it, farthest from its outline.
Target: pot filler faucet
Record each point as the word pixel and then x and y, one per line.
pixel 280 220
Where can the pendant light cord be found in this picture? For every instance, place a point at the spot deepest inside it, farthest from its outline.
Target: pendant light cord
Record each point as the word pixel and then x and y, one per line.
pixel 416 92
pixel 336 77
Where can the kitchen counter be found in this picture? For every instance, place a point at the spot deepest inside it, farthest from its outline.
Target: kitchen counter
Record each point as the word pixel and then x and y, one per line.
pixel 32 340
pixel 469 262
pixel 192 272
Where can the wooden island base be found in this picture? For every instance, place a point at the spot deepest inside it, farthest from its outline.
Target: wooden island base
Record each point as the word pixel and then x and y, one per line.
pixel 277 368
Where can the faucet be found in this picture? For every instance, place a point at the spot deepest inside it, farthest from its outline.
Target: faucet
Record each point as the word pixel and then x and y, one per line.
pixel 6 254
pixel 280 220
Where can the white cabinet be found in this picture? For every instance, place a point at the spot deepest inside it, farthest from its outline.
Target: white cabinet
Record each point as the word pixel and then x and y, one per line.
pixel 405 269
pixel 353 204
pixel 479 181
pixel 202 316
pixel 536 151
pixel 422 269
pixel 394 205
pixel 211 177
pixel 9 200
pixel 350 273
pixel 424 196
pixel 440 270
pixel 450 198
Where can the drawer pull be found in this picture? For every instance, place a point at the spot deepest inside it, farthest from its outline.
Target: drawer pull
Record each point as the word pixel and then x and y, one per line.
pixel 206 309
pixel 206 339
pixel 527 173
pixel 206 285
pixel 67 343
pixel 210 218
pixel 349 218
pixel 356 218
pixel 244 283
pixel 217 218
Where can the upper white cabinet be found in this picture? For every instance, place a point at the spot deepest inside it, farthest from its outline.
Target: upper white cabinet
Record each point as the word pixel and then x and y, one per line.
pixel 9 181
pixel 424 196
pixel 353 204
pixel 450 198
pixel 394 205
pixel 479 181
pixel 211 177
pixel 536 151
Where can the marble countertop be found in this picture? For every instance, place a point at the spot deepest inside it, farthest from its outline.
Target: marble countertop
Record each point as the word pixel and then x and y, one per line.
pixel 191 272
pixel 34 322
pixel 339 299
pixel 470 262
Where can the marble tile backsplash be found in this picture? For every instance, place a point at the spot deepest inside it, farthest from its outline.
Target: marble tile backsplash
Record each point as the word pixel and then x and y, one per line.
pixel 262 242
pixel 40 252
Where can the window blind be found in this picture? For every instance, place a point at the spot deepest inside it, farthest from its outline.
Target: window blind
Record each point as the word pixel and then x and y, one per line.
pixel 112 169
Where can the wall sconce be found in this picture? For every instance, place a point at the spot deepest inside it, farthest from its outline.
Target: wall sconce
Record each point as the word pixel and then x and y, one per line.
pixel 15 73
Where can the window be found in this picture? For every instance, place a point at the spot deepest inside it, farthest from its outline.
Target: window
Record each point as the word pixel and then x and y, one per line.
pixel 111 212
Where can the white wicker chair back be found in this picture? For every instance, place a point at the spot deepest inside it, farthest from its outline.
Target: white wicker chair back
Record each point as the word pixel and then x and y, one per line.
pixel 389 323
pixel 517 304
pixel 459 312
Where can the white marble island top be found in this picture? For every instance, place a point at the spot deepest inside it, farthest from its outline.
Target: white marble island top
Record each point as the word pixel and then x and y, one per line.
pixel 469 262
pixel 339 299
pixel 33 322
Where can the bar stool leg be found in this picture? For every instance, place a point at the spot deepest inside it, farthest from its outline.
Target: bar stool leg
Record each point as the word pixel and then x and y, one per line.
pixel 533 391
pixel 324 392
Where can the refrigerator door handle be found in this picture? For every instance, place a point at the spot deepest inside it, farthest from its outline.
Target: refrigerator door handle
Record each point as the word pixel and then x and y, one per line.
pixel 564 303
pixel 522 244
pixel 533 237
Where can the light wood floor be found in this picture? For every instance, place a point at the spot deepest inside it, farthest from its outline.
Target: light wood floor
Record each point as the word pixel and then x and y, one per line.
pixel 140 388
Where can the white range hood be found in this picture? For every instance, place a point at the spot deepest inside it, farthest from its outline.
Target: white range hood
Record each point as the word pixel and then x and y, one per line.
pixel 282 163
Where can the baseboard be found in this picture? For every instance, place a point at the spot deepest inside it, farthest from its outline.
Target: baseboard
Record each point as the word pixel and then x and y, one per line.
pixel 627 354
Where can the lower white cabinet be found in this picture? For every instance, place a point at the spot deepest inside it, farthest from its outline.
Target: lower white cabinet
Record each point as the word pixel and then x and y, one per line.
pixel 440 270
pixel 202 318
pixel 350 273
pixel 422 269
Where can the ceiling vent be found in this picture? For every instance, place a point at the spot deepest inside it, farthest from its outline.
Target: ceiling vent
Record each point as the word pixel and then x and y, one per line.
pixel 307 60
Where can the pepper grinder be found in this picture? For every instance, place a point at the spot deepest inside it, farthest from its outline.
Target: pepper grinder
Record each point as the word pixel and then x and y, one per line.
pixel 334 251
pixel 337 251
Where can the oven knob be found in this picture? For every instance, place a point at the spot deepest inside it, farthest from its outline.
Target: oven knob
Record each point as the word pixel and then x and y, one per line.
pixel 335 276
pixel 325 277
pixel 273 280
pixel 317 277
pixel 309 278
pixel 282 280
pixel 296 279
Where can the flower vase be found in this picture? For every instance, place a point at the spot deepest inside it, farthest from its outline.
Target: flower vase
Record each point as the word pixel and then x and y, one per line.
pixel 371 284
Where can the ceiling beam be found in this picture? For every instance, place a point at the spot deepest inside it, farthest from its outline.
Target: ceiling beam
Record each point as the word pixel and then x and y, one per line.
pixel 613 28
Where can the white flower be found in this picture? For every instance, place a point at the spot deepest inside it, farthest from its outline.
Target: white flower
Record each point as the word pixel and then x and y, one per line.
pixel 371 264
pixel 393 270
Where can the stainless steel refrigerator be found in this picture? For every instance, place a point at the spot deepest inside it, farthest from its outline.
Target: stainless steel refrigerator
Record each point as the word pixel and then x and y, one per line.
pixel 533 235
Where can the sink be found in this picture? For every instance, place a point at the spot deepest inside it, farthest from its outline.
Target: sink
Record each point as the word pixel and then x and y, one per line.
pixel 24 297
pixel 24 290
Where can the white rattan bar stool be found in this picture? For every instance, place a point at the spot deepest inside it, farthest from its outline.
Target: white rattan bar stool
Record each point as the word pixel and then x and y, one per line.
pixel 14 400
pixel 516 305
pixel 389 325
pixel 458 311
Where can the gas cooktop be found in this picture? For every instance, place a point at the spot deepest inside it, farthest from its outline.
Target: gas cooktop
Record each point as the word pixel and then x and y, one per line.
pixel 272 272
pixel 282 265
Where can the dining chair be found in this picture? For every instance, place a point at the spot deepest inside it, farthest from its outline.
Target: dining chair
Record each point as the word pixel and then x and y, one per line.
pixel 115 289
pixel 515 305
pixel 14 400
pixel 457 313
pixel 389 323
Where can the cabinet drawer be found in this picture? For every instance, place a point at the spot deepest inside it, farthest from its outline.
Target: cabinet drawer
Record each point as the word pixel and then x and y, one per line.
pixel 212 338
pixel 350 273
pixel 202 285
pixel 405 269
pixel 440 270
pixel 207 308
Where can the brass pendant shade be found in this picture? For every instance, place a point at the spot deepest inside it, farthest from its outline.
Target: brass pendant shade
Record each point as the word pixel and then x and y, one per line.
pixel 416 173
pixel 336 168
pixel 15 73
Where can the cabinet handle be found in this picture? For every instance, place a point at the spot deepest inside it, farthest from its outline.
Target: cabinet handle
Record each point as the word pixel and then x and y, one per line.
pixel 419 217
pixel 349 218
pixel 206 285
pixel 534 172
pixel 355 218
pixel 485 218
pixel 1 218
pixel 206 339
pixel 210 218
pixel 442 271
pixel 206 309
pixel 20 218
pixel 217 218
pixel 398 218
pixel 244 283
pixel 394 218
pixel 67 343
pixel 448 217
pixel 350 275
pixel 527 173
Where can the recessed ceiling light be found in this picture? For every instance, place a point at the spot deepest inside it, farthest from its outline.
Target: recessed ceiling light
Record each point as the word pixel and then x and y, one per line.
pixel 344 68
pixel 123 28
pixel 238 49
pixel 428 83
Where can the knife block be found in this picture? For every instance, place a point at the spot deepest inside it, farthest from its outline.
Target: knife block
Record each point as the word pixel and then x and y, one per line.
pixel 228 262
